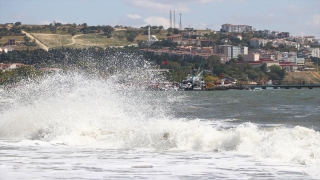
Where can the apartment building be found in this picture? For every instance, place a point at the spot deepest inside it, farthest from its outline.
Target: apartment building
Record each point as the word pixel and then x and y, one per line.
pixel 236 28
pixel 231 51
pixel 256 42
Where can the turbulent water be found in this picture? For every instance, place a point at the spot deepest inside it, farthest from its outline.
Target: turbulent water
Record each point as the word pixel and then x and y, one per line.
pixel 71 126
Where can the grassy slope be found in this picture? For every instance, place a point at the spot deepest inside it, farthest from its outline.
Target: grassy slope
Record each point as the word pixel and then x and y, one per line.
pixel 5 39
pixel 88 40
pixel 307 76
pixel 53 40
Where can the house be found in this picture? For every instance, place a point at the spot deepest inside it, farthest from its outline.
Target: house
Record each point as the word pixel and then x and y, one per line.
pixel 174 38
pixel 223 58
pixel 188 34
pixel 256 42
pixel 258 63
pixel 236 35
pixel 274 33
pixel 251 57
pixel 225 41
pixel 288 66
pixel 207 42
pixel 11 42
pixel 10 66
pixel 284 35
pixel 309 38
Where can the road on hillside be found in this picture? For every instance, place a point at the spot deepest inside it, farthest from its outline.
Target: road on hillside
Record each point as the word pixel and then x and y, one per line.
pixel 42 46
pixel 72 39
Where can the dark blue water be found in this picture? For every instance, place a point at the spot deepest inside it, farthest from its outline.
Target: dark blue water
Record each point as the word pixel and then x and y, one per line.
pixel 292 107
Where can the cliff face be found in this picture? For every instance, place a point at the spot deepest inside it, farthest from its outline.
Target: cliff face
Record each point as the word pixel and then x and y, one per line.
pixel 307 76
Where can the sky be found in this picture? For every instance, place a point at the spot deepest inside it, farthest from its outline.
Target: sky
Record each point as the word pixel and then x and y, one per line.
pixel 299 17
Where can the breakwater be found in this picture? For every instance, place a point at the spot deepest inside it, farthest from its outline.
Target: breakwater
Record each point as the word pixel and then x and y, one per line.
pixel 252 87
pixel 310 86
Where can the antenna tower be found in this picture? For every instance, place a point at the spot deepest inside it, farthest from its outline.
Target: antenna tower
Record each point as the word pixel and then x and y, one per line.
pixel 170 20
pixel 180 25
pixel 174 19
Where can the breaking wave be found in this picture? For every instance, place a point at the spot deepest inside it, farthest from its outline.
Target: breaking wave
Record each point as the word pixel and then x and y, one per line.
pixel 87 111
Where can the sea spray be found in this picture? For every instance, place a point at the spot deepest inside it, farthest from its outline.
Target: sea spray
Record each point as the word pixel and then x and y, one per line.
pixel 115 112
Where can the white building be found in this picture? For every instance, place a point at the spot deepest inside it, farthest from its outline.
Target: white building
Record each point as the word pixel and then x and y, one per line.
pixel 315 52
pixel 236 28
pixel 256 42
pixel 231 51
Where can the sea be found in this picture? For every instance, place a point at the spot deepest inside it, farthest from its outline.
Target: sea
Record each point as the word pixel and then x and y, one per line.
pixel 72 126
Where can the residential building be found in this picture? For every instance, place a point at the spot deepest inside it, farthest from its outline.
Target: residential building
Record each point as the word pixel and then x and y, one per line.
pixel 251 57
pixel 11 42
pixel 258 63
pixel 7 67
pixel 309 38
pixel 315 52
pixel 288 66
pixel 188 34
pixel 284 35
pixel 256 42
pixel 223 58
pixel 225 41
pixel 231 51
pixel 174 38
pixel 275 33
pixel 239 36
pixel 236 28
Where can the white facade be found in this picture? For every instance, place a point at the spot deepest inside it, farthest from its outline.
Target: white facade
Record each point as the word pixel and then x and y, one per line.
pixel 231 51
pixel 315 52
pixel 256 42
pixel 236 28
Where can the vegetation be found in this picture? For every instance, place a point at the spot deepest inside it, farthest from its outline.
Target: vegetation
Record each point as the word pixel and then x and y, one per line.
pixel 16 75
pixel 96 59
pixel 180 68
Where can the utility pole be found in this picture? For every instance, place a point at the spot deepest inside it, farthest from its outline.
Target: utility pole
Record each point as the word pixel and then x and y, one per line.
pixel 170 19
pixel 174 19
pixel 180 25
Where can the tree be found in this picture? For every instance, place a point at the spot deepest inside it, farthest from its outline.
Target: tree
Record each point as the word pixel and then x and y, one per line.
pixel 275 69
pixel 26 39
pixel 17 23
pixel 161 27
pixel 108 30
pixel 194 37
pixel 176 31
pixel 130 38
pixel 240 58
pixel 264 67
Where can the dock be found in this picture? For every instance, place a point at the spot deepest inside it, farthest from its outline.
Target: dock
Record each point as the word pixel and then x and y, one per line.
pixel 309 86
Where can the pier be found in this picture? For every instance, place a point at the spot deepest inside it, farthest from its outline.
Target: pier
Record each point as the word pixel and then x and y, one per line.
pixel 309 86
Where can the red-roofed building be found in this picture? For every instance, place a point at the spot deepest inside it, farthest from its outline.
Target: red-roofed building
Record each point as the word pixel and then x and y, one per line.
pixel 174 38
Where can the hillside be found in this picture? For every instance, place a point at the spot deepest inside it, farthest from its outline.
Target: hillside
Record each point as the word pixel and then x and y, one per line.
pixel 306 76
pixel 92 39
pixel 53 40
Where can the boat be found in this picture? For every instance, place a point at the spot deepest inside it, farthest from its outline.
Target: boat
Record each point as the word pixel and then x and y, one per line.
pixel 193 83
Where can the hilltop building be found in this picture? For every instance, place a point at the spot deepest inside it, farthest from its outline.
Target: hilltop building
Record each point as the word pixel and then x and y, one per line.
pixel 236 28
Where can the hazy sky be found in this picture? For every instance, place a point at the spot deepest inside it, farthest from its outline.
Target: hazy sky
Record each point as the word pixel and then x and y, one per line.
pixel 299 17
